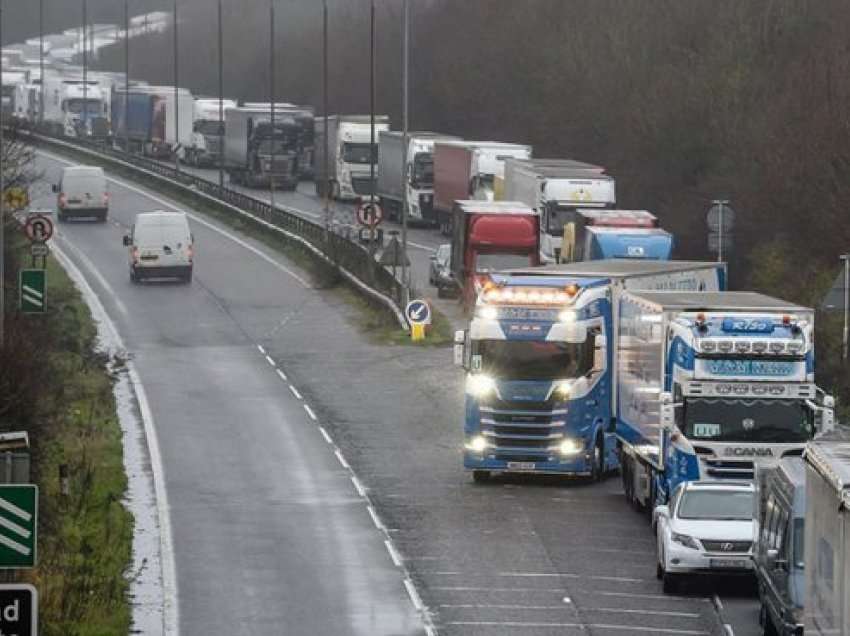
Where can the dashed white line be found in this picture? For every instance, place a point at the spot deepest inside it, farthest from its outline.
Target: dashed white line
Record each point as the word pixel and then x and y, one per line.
pixel 358 486
pixel 341 459
pixel 260 347
pixel 325 435
pixel 295 392
pixel 271 361
pixel 394 555
pixel 310 412
pixel 375 519
pixel 414 595
pixel 628 628
pixel 282 375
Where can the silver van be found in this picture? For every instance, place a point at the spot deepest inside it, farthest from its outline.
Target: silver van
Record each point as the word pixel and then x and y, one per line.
pixel 160 246
pixel 82 192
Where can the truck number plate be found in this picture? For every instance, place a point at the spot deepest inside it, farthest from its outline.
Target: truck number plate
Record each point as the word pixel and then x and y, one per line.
pixel 521 465
pixel 727 563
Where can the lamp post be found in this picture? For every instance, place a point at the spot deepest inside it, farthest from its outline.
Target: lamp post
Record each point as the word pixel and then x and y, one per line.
pixel 126 76
pixel 405 55
pixel 220 101
pixel 176 97
pixel 271 97
pixel 2 206
pixel 41 61
pixel 326 167
pixel 844 335
pixel 84 116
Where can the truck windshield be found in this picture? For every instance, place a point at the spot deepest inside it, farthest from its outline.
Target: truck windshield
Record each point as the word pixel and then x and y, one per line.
pixel 499 262
pixel 92 106
pixel 743 420
pixel 276 146
pixel 718 504
pixel 359 153
pixel 557 218
pixel 533 360
pixel 423 170
pixel 209 127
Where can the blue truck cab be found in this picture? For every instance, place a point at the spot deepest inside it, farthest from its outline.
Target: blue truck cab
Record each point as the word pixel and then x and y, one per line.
pixel 540 371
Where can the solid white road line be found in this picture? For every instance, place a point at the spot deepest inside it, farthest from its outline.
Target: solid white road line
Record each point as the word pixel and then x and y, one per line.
pixel 375 519
pixel 260 347
pixel 310 412
pixel 91 269
pixel 325 435
pixel 341 459
pixel 625 628
pixel 358 486
pixel 394 555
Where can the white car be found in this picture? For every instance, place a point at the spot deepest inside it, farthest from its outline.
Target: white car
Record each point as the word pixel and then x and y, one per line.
pixel 707 527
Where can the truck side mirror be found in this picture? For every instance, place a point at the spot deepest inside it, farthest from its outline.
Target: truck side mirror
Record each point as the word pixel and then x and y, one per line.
pixel 460 339
pixel 774 562
pixel 668 411
pixel 126 240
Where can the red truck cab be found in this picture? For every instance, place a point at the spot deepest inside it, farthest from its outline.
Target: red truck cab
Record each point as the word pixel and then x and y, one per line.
pixel 490 236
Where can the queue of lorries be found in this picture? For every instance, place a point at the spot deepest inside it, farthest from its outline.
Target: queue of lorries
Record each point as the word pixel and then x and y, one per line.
pixel 588 349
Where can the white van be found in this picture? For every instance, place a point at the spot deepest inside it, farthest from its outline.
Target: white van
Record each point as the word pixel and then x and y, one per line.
pixel 161 246
pixel 81 191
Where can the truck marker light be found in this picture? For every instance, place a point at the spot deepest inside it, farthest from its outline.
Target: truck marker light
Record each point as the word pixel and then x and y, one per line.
pixel 725 346
pixel 489 313
pixel 562 390
pixel 742 347
pixel 760 346
pixel 777 347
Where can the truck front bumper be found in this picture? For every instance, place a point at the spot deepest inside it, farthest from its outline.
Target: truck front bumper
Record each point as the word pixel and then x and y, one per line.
pixel 579 466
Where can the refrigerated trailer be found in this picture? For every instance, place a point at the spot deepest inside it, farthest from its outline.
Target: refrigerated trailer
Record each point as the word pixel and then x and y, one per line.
pixel 350 155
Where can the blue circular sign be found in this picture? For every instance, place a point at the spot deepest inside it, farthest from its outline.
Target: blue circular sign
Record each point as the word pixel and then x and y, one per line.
pixel 418 312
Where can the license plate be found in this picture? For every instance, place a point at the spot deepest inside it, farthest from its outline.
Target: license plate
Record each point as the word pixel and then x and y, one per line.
pixel 75 200
pixel 721 564
pixel 521 465
pixel 149 257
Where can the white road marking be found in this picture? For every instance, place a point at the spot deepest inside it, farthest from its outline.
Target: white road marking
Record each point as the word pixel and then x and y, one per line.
pixel 394 555
pixel 375 519
pixel 170 205
pixel 341 459
pixel 90 267
pixel 429 248
pixel 310 412
pixel 270 361
pixel 295 392
pixel 282 375
pixel 171 609
pixel 260 347
pixel 358 486
pixel 562 607
pixel 653 596
pixel 414 595
pixel 325 435
pixel 625 628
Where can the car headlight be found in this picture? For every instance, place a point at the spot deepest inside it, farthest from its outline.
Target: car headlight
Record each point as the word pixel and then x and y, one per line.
pixel 570 447
pixel 477 444
pixel 480 385
pixel 685 540
pixel 562 389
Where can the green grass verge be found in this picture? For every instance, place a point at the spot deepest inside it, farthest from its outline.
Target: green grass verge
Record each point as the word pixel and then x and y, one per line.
pixel 85 537
pixel 374 319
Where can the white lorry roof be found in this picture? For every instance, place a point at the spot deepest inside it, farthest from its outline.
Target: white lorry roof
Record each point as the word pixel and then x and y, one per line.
pixel 723 301
pixel 830 456
pixel 494 207
pixel 561 168
pixel 615 268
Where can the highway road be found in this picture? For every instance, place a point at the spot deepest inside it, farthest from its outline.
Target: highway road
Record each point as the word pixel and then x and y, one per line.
pixel 311 471
pixel 270 535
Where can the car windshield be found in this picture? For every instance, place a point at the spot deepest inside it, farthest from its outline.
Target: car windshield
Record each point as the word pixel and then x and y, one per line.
pixel 209 127
pixel 92 106
pixel 798 558
pixel 278 146
pixel 359 153
pixel 726 505
pixel 532 360
pixel 747 420
pixel 499 262
pixel 423 170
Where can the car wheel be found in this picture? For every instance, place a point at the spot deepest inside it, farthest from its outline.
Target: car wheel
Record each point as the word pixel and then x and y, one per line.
pixel 669 583
pixel 480 476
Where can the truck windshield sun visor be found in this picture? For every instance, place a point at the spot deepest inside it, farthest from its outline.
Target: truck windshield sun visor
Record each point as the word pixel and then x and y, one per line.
pixel 745 420
pixel 533 360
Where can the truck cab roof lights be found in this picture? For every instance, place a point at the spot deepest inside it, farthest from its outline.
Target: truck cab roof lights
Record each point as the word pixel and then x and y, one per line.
pixel 525 296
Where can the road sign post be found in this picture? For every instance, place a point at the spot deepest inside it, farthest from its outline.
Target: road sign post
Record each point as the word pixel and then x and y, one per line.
pixel 18 525
pixel 32 291
pixel 18 609
pixel 720 220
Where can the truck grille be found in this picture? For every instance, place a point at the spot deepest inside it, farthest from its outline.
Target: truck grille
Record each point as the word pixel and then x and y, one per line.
pixel 530 431
pixel 726 547
pixel 362 185
pixel 729 468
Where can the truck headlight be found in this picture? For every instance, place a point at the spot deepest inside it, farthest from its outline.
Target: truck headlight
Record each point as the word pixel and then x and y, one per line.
pixel 488 313
pixel 567 316
pixel 477 444
pixel 570 447
pixel 684 540
pixel 480 385
pixel 562 389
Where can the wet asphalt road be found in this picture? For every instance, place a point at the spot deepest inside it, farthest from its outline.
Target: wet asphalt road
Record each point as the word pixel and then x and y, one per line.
pixel 270 534
pixel 267 526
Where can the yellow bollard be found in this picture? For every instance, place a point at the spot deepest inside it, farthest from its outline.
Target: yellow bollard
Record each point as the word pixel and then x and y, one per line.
pixel 417 331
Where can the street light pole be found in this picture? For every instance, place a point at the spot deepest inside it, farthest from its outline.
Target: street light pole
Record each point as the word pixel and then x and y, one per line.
pixel 405 130
pixel 846 259
pixel 326 168
pixel 271 97
pixel 176 97
pixel 126 76
pixel 372 186
pixel 220 101
pixel 2 206
pixel 85 109
pixel 41 61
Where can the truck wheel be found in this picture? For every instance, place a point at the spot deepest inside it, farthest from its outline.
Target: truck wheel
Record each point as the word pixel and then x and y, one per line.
pixel 480 476
pixel 598 468
pixel 767 626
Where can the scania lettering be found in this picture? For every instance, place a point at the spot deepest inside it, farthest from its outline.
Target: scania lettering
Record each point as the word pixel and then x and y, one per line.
pixel 540 370
pixel 711 385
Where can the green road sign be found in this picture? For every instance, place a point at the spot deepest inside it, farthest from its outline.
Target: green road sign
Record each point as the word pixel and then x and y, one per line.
pixel 18 522
pixel 32 288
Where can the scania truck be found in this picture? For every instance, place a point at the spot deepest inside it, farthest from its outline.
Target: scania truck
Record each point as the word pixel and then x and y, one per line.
pixel 556 189
pixel 257 153
pixel 350 155
pixel 540 360
pixel 709 385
